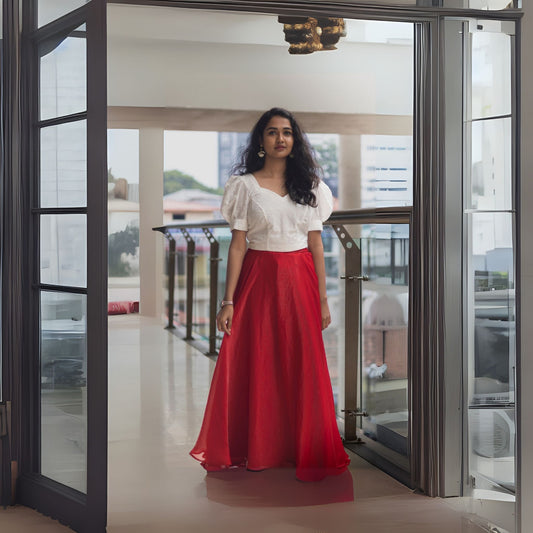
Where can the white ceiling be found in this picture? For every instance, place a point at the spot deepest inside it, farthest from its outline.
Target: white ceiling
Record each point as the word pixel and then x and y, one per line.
pixel 134 22
pixel 203 59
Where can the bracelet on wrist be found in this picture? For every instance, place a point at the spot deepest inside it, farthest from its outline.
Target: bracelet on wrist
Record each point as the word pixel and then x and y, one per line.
pixel 223 303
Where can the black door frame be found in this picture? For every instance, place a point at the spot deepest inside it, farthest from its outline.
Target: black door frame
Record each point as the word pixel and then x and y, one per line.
pixel 20 283
pixel 426 349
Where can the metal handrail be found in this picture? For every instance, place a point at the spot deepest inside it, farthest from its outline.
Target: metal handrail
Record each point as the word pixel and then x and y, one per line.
pixel 339 221
pixel 393 215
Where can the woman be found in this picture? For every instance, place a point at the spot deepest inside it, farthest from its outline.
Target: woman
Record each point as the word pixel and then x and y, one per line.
pixel 271 402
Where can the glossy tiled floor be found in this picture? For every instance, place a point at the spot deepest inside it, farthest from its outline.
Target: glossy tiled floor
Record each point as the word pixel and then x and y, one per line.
pixel 158 387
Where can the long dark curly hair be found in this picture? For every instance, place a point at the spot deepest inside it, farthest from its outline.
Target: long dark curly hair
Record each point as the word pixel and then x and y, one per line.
pixel 302 173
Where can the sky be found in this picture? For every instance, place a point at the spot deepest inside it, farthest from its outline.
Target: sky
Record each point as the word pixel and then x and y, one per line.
pixel 192 152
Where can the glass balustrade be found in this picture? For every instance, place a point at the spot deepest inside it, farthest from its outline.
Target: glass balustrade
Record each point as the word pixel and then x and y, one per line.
pixel 366 342
pixel 384 383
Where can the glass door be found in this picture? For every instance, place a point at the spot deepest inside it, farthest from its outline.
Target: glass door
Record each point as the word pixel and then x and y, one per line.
pixel 65 474
pixel 490 281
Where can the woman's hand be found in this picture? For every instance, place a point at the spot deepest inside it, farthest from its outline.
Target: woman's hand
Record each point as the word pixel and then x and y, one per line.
pixel 324 311
pixel 225 318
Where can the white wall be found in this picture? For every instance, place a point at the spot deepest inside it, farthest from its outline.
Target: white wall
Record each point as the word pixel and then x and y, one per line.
pixel 356 78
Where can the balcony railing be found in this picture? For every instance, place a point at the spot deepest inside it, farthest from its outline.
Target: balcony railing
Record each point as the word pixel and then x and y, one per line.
pixel 367 276
pixel 194 261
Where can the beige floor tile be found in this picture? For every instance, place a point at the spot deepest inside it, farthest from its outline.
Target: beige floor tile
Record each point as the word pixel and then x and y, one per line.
pixel 157 391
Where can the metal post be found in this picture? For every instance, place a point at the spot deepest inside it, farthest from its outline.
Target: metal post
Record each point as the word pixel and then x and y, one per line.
pixel 352 292
pixel 393 259
pixel 191 247
pixel 213 290
pixel 171 278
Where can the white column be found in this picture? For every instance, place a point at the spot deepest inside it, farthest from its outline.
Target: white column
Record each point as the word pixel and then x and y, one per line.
pixel 349 171
pixel 151 152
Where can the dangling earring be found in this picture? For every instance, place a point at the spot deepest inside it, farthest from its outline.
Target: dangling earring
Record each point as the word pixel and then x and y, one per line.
pixel 261 152
pixel 291 155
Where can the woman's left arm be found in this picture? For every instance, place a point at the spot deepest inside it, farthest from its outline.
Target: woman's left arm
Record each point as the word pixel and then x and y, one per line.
pixel 314 243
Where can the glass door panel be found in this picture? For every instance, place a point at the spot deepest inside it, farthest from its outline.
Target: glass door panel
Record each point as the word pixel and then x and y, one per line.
pixel 491 71
pixel 63 76
pixel 65 475
pixel 489 295
pixel 63 258
pixel 492 164
pixel 492 353
pixel 64 250
pixel 63 149
pixel 384 340
pixel 64 388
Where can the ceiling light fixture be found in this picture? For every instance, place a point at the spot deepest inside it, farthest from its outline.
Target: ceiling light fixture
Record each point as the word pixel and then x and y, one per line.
pixel 306 35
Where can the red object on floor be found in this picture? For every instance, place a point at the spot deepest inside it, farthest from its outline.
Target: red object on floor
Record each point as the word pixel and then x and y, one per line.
pixel 122 308
pixel 271 402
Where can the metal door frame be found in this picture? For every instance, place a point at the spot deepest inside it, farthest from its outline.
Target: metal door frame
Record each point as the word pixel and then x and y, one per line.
pixel 83 512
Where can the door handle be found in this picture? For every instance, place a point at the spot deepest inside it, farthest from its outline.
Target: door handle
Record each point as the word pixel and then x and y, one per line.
pixel 355 412
pixel 356 278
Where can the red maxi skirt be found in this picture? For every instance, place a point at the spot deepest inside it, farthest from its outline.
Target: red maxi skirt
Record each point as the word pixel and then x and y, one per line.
pixel 270 402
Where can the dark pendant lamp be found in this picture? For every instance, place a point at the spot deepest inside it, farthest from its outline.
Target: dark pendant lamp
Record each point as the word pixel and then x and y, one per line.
pixel 306 35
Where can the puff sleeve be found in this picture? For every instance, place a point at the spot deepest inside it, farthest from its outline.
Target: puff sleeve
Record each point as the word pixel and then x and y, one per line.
pixel 324 208
pixel 234 207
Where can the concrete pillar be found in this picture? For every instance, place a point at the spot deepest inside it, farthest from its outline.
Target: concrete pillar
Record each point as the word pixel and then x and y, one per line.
pixel 151 152
pixel 349 171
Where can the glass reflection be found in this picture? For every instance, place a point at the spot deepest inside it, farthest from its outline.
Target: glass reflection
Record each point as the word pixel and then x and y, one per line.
pixel 491 74
pixel 64 388
pixel 491 178
pixel 334 334
pixel 384 323
pixel 492 352
pixel 63 73
pixel 49 10
pixel 64 250
pixel 64 165
pixel 386 170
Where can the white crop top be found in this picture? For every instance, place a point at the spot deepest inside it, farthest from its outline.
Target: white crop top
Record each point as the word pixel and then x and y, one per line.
pixel 272 222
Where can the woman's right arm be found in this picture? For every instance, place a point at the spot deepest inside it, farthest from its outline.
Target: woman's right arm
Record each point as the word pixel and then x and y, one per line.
pixel 237 249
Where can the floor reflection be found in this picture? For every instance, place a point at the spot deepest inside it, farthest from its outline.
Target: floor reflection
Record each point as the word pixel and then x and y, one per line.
pixel 276 488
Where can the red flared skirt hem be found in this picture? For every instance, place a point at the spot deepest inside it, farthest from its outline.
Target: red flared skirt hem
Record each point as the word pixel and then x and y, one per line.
pixel 271 404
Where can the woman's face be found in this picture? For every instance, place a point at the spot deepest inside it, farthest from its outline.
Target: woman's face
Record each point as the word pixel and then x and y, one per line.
pixel 278 138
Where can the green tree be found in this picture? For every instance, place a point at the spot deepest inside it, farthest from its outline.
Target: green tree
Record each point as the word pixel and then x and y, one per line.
pixel 328 159
pixel 110 176
pixel 126 241
pixel 175 180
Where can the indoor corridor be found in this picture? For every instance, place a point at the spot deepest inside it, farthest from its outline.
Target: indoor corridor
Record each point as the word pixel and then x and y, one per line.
pixel 157 391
